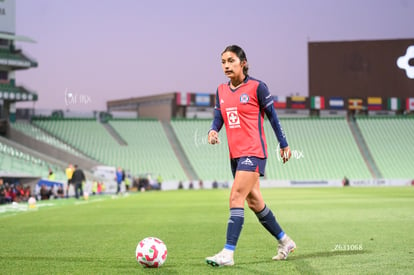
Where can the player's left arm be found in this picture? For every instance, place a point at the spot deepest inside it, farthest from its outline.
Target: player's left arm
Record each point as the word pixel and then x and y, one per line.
pixel 266 103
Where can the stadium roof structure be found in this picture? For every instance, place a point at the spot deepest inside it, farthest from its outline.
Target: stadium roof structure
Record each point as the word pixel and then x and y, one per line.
pixel 153 106
pixel 13 37
pixel 16 93
pixel 132 102
pixel 16 60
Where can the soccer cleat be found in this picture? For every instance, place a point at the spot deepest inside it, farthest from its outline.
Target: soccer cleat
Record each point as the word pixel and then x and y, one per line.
pixel 223 258
pixel 286 246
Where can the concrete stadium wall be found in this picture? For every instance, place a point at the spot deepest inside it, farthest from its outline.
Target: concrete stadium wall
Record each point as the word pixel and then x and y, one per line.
pixel 161 111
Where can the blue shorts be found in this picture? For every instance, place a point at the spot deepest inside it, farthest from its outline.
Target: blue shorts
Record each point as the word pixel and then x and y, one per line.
pixel 252 164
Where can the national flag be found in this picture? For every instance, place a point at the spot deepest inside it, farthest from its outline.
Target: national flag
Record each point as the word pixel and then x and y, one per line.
pixel 354 104
pixel 336 103
pixel 410 104
pixel 298 102
pixel 202 99
pixel 279 102
pixel 374 103
pixel 318 102
pixel 394 103
pixel 183 98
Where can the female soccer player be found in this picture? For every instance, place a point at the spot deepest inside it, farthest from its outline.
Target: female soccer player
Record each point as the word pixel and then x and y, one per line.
pixel 240 106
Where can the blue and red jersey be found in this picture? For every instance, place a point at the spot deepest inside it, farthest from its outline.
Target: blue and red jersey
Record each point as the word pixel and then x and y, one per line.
pixel 242 112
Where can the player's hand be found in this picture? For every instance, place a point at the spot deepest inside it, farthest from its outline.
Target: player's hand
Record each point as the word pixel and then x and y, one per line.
pixel 213 137
pixel 285 154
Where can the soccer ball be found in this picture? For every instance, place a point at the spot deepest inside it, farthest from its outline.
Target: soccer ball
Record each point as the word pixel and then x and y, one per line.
pixel 32 202
pixel 151 252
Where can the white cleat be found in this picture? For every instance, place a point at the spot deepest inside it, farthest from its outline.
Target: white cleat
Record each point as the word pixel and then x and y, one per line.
pixel 286 246
pixel 223 258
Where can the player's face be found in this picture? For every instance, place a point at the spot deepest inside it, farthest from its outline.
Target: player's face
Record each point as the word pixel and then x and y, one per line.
pixel 232 66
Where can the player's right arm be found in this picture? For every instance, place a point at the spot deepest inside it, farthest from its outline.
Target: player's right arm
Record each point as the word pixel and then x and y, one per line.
pixel 216 124
pixel 266 103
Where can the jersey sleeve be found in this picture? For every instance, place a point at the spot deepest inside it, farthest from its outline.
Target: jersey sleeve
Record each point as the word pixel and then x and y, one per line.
pixel 218 118
pixel 263 96
pixel 217 104
pixel 266 103
pixel 277 128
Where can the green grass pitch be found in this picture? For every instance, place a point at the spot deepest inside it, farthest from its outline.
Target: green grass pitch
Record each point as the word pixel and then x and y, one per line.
pixel 337 231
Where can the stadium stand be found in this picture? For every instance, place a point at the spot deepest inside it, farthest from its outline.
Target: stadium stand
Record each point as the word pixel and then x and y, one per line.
pixel 323 149
pixel 209 162
pixel 148 149
pixel 391 143
pixel 13 160
pixel 86 135
pixel 38 134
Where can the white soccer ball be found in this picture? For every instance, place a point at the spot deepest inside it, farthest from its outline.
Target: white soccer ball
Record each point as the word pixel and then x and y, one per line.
pixel 32 202
pixel 151 252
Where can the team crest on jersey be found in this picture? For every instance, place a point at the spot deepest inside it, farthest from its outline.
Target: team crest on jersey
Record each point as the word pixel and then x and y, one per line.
pixel 244 98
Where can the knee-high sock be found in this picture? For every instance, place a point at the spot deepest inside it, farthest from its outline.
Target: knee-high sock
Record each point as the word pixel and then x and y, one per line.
pixel 234 227
pixel 268 220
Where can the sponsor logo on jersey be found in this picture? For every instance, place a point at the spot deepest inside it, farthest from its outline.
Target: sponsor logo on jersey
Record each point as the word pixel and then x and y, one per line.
pixel 233 117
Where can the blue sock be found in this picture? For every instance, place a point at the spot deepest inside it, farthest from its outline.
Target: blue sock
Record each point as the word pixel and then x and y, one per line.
pixel 234 227
pixel 268 220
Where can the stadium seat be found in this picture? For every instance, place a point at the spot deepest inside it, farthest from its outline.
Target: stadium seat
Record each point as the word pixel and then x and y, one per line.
pixel 209 162
pixel 391 143
pixel 39 134
pixel 15 161
pixel 147 150
pixel 323 149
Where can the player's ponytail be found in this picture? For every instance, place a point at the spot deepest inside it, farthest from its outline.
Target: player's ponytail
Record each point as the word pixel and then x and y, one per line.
pixel 240 54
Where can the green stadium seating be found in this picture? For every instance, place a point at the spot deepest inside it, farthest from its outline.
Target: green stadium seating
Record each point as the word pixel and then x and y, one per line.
pixel 391 143
pixel 147 151
pixel 87 135
pixel 323 149
pixel 148 148
pixel 209 162
pixel 39 134
pixel 14 161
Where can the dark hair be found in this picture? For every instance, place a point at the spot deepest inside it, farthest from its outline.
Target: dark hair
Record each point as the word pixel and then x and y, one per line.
pixel 240 54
